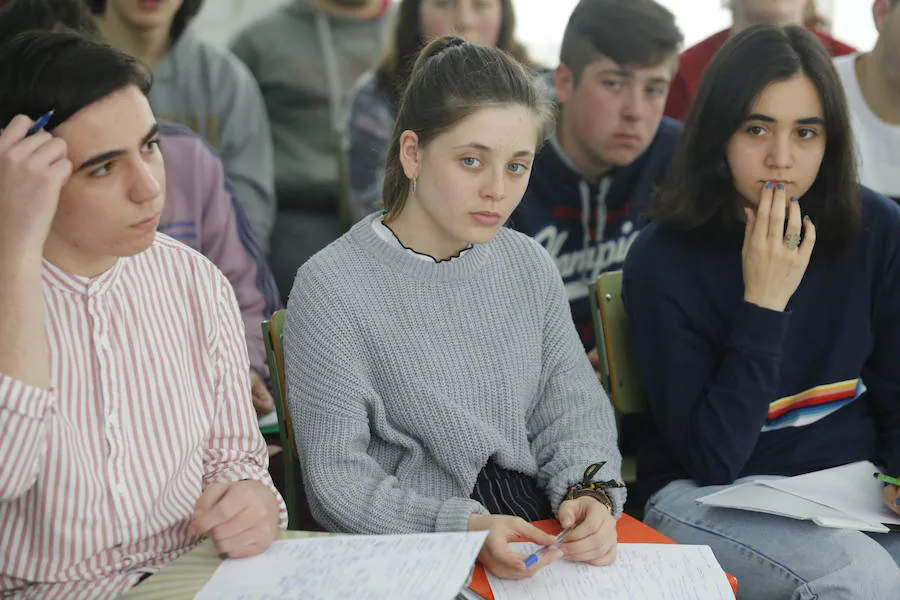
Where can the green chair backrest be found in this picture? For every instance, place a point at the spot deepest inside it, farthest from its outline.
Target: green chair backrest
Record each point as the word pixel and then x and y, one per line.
pixel 272 336
pixel 618 367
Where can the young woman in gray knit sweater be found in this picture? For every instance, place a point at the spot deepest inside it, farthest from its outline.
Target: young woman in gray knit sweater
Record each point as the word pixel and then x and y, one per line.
pixel 434 376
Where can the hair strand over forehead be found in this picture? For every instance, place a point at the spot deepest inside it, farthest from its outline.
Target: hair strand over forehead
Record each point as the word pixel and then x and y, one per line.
pixel 63 71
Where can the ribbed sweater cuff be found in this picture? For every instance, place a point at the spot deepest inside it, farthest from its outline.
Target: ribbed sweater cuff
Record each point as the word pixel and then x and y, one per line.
pixel 454 514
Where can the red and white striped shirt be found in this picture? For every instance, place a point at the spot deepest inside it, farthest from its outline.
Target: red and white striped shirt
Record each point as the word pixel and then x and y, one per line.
pixel 150 402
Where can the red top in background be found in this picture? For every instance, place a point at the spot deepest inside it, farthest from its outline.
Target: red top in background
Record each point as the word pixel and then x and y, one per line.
pixel 695 59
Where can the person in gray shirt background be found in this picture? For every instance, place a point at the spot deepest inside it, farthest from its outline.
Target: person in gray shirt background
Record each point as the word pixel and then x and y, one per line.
pixel 306 55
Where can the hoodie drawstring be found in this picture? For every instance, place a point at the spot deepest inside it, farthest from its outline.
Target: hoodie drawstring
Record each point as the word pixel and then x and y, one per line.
pixel 333 74
pixel 585 193
pixel 602 191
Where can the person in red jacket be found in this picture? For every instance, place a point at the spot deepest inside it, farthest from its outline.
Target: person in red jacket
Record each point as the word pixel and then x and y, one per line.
pixel 744 14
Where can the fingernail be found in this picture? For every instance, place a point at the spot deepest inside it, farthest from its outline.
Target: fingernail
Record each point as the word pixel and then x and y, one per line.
pixel 780 186
pixel 807 219
pixel 223 555
pixel 793 198
pixel 768 185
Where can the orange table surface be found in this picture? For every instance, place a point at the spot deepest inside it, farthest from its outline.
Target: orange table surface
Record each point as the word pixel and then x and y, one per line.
pixel 630 530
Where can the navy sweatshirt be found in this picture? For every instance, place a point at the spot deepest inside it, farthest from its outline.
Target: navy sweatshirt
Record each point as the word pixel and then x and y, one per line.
pixel 589 227
pixel 735 390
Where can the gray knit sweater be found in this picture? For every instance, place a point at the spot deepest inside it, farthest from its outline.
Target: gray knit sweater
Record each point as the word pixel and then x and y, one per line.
pixel 405 376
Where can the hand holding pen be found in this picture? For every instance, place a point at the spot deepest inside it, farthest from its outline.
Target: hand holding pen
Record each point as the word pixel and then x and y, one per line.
pixel 537 554
pixel 40 123
pixel 891 492
pixel 33 169
pixel 593 538
pixel 497 557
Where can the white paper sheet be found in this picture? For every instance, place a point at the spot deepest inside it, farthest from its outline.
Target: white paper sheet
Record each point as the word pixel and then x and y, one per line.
pixel 846 497
pixel 757 497
pixel 428 567
pixel 850 489
pixel 268 420
pixel 651 571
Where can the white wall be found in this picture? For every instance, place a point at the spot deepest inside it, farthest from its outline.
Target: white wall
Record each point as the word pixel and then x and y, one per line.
pixel 541 22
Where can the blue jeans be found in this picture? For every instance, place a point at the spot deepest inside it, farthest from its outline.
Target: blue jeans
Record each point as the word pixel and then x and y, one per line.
pixel 775 557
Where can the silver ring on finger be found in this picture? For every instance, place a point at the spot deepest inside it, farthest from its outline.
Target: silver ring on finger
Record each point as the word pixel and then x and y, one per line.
pixel 792 241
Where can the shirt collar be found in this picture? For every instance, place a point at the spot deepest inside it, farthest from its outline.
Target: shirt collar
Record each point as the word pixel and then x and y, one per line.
pixel 80 285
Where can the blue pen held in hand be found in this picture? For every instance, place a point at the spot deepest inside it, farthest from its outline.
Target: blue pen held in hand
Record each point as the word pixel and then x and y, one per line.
pixel 40 123
pixel 541 551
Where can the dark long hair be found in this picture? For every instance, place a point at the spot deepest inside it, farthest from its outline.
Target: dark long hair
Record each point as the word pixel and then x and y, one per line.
pixel 699 194
pixel 407 40
pixel 451 80
pixel 63 71
pixel 183 18
pixel 45 15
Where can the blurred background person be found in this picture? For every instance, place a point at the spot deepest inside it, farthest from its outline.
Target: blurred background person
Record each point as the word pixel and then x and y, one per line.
pixel 872 84
pixel 201 86
pixel 745 13
pixel 376 96
pixel 306 56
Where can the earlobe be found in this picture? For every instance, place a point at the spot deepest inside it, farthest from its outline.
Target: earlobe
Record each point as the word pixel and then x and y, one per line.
pixel 562 81
pixel 410 154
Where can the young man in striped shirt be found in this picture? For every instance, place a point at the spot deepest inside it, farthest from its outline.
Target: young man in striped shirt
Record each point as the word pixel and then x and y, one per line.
pixel 129 432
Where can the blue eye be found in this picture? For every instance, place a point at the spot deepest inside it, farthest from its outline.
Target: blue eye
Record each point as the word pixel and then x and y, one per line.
pixel 611 85
pixel 470 162
pixel 518 168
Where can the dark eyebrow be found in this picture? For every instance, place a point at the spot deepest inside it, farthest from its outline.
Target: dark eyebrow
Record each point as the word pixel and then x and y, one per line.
pixel 484 148
pixel 768 119
pixel 106 156
pixel 617 72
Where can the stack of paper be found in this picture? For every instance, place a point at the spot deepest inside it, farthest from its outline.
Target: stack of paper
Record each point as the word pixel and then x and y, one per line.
pixel 641 571
pixel 267 420
pixel 392 567
pixel 846 497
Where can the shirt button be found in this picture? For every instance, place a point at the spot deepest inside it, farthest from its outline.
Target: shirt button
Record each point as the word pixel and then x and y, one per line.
pixel 113 419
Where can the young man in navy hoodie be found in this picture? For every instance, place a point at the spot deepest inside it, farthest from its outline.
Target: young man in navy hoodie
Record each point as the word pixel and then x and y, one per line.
pixel 593 180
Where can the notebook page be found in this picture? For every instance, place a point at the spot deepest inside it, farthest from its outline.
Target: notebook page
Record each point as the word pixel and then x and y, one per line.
pixel 641 571
pixel 427 566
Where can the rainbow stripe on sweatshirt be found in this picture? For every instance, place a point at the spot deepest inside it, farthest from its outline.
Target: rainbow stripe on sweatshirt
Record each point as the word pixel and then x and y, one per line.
pixel 812 405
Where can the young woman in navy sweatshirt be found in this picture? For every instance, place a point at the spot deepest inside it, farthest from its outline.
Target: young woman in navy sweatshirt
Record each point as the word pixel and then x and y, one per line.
pixel 765 304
